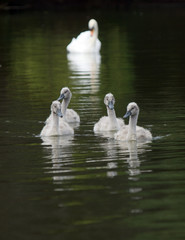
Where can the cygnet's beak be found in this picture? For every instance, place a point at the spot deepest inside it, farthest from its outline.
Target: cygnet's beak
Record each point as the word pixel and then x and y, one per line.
pixel 61 97
pixel 59 113
pixel 111 105
pixel 127 114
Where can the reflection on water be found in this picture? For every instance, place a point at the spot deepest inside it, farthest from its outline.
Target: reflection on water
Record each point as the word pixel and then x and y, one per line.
pixel 57 145
pixel 86 69
pixel 57 141
pixel 130 149
pixel 65 171
pixel 105 134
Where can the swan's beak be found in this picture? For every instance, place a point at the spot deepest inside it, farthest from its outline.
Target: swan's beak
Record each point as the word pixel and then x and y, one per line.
pixel 92 31
pixel 128 113
pixel 59 113
pixel 61 97
pixel 111 105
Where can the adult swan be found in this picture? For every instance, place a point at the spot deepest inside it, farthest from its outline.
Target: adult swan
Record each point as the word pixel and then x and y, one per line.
pixel 86 42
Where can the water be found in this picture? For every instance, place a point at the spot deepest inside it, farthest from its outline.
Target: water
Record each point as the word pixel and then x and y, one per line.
pixel 89 186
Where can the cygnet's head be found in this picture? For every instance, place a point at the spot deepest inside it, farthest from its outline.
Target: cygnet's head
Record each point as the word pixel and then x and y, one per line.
pixel 65 93
pixel 92 24
pixel 56 108
pixel 109 101
pixel 132 110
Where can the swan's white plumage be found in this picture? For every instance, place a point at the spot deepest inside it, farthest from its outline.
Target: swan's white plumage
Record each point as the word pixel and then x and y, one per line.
pixel 133 132
pixel 110 122
pixel 52 126
pixel 69 115
pixel 86 42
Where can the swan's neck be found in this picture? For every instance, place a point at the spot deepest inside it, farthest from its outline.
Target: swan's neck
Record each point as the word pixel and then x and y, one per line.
pixel 112 117
pixel 132 128
pixel 64 105
pixel 95 35
pixel 96 32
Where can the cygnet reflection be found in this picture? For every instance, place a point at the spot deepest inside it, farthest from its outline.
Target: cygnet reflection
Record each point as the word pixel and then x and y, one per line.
pixel 135 149
pixel 128 151
pixel 108 134
pixel 57 145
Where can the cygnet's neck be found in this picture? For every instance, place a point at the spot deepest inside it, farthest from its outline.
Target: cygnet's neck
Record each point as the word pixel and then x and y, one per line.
pixel 55 121
pixel 64 105
pixel 132 128
pixel 112 117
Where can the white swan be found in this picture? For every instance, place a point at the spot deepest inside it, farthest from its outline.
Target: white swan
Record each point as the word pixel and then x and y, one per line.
pixel 110 122
pixel 132 132
pixel 86 42
pixel 69 115
pixel 52 127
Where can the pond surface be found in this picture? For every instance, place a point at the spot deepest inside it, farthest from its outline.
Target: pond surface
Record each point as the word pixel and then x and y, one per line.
pixel 90 186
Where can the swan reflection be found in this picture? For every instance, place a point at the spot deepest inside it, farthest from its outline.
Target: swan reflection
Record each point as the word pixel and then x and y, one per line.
pixel 85 68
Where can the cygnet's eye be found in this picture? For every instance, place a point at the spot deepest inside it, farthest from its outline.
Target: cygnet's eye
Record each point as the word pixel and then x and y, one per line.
pixel 64 92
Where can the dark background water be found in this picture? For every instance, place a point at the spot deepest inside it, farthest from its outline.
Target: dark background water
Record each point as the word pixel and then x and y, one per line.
pixel 90 186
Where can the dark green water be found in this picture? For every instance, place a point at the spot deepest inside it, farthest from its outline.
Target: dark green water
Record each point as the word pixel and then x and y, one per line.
pixel 89 186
